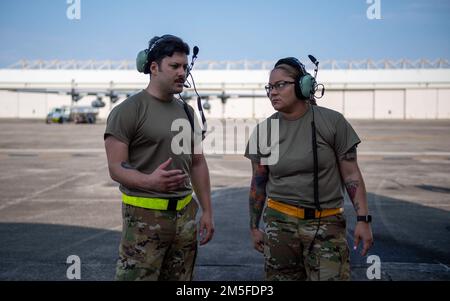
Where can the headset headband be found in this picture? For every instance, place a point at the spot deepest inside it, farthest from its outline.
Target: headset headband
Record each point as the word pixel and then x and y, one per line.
pixel 293 62
pixel 144 57
pixel 158 41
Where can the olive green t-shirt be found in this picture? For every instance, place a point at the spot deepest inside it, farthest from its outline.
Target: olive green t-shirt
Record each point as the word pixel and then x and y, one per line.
pixel 144 123
pixel 291 177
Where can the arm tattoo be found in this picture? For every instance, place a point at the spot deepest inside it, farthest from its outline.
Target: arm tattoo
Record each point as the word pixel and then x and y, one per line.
pixel 257 193
pixel 350 155
pixel 356 206
pixel 352 187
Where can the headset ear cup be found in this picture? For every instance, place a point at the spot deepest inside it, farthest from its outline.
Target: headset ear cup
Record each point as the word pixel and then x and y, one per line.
pixel 307 84
pixel 298 90
pixel 142 61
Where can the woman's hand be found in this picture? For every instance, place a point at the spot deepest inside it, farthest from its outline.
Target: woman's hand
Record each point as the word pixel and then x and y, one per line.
pixel 258 239
pixel 363 232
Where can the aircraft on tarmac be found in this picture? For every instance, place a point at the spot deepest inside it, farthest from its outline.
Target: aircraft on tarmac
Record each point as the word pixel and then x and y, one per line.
pixel 88 114
pixel 77 94
pixel 115 94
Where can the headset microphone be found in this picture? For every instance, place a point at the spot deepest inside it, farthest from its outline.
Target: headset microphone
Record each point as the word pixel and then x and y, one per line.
pixel 316 63
pixel 313 59
pixel 316 69
pixel 194 57
pixel 195 51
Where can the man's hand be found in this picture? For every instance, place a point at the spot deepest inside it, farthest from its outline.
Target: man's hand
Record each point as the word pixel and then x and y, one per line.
pixel 206 228
pixel 363 232
pixel 258 240
pixel 166 180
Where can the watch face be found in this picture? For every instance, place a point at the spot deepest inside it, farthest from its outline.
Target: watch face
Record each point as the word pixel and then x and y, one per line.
pixel 364 218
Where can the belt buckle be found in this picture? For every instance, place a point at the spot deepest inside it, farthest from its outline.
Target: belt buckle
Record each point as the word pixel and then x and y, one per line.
pixel 172 204
pixel 309 213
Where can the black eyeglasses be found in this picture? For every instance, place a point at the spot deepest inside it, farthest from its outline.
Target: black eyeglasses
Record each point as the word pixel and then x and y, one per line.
pixel 278 86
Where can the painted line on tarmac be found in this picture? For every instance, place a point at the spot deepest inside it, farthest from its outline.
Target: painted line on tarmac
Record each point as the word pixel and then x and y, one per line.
pixel 51 187
pixel 220 170
pixel 364 153
pixel 404 154
pixel 2 178
pixel 50 150
pixel 39 192
pixel 434 205
pixel 102 150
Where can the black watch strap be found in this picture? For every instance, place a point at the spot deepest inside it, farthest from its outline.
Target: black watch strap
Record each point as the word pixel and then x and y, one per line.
pixel 364 218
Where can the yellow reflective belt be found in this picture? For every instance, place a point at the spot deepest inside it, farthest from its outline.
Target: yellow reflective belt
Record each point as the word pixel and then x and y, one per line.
pixel 154 203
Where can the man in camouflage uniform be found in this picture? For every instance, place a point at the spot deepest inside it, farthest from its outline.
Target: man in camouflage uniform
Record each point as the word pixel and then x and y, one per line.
pixel 159 236
pixel 148 238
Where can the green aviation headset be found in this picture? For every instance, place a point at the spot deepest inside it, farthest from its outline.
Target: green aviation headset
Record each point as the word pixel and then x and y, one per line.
pixel 305 83
pixel 143 60
pixel 144 57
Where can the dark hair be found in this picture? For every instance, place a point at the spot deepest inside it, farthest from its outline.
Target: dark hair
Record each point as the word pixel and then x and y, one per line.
pixel 166 45
pixel 291 71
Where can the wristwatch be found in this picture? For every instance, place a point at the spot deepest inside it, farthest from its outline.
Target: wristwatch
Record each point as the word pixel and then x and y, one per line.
pixel 364 218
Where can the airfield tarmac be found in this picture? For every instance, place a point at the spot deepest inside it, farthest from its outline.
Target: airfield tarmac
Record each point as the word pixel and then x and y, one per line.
pixel 57 200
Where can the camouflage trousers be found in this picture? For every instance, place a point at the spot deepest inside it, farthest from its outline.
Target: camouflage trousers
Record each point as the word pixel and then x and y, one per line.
pixel 286 248
pixel 157 245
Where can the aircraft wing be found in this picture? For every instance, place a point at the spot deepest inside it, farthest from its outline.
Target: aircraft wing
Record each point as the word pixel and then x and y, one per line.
pixel 115 94
pixel 77 94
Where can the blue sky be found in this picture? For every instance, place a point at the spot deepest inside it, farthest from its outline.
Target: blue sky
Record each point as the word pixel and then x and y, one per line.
pixel 226 30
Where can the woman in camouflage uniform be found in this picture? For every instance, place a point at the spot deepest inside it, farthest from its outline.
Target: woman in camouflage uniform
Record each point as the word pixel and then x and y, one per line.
pixel 305 234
